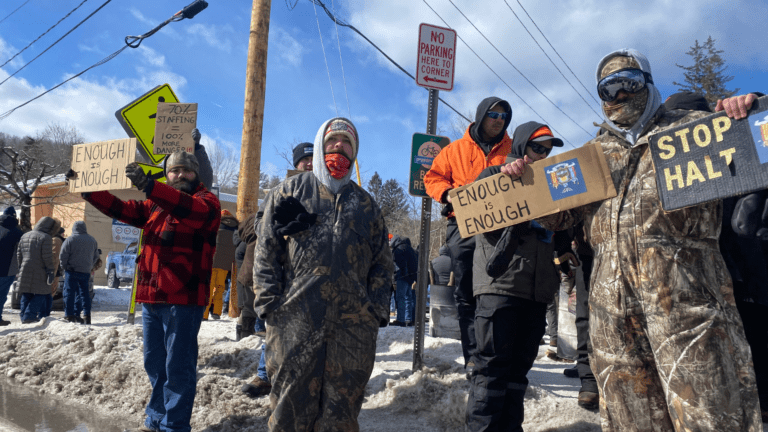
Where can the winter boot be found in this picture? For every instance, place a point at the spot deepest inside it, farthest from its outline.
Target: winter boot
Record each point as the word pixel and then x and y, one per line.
pixel 79 320
pixel 87 319
pixel 571 372
pixel 70 318
pixel 256 388
pixel 589 400
pixel 245 328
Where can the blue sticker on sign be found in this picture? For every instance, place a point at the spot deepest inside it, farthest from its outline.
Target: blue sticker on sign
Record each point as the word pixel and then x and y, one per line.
pixel 758 124
pixel 565 180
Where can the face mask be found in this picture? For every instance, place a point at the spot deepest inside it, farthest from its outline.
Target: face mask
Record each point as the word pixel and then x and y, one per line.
pixel 337 164
pixel 628 113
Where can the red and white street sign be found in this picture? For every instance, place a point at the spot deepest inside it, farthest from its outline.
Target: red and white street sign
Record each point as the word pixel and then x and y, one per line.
pixel 436 60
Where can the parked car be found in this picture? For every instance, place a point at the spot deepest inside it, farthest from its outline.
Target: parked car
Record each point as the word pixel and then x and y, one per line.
pixel 120 266
pixel 58 295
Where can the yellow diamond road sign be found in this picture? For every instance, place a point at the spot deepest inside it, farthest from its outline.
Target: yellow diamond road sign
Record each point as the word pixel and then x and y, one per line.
pixel 138 118
pixel 156 173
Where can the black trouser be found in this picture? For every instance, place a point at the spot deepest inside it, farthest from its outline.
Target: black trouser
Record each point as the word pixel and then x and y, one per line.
pixel 552 310
pixel 755 319
pixel 245 299
pixel 462 251
pixel 508 331
pixel 588 382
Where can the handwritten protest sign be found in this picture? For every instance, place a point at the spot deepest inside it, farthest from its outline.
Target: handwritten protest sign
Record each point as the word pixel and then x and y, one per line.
pixel 558 183
pixel 173 127
pixel 101 165
pixel 712 158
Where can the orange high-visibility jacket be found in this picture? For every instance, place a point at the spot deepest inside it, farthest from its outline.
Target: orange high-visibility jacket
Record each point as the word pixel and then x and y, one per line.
pixel 461 162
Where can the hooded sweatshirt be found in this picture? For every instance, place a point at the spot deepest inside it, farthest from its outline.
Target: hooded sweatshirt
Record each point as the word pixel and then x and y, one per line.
pixel 10 234
pixel 482 109
pixel 319 169
pixel 80 251
pixel 654 97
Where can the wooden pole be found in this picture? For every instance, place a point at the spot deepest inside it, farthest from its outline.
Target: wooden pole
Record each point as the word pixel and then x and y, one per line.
pixel 253 116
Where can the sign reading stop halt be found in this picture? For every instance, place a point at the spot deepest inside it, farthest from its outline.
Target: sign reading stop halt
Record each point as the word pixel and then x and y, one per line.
pixel 436 57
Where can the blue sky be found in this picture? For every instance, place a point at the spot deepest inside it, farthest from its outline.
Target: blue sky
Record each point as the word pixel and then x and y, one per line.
pixel 204 60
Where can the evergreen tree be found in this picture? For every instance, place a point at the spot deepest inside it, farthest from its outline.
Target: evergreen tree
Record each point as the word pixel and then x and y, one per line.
pixel 374 186
pixel 707 74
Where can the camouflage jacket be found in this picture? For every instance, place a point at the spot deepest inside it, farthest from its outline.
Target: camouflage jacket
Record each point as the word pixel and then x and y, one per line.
pixel 342 263
pixel 634 239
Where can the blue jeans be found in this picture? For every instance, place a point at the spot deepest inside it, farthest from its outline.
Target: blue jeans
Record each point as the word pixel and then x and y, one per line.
pixel 31 306
pixel 47 306
pixel 170 359
pixel 406 299
pixel 261 372
pixel 76 291
pixel 5 286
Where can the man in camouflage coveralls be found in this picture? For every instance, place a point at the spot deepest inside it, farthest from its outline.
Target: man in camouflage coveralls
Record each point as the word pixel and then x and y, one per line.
pixel 668 347
pixel 322 275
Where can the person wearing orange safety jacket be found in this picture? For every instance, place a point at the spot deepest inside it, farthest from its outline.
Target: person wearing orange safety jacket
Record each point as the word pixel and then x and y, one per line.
pixel 485 143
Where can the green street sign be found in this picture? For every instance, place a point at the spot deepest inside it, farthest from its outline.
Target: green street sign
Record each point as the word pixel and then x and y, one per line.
pixel 423 151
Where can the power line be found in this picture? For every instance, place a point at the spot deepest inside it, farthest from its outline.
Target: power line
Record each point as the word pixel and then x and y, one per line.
pixel 353 28
pixel 516 69
pixel 552 61
pixel 14 11
pixel 343 76
pixel 558 54
pixel 498 76
pixel 57 41
pixel 46 32
pixel 333 95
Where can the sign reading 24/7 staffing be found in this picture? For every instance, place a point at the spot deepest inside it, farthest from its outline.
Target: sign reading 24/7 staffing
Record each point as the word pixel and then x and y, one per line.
pixel 712 158
pixel 424 150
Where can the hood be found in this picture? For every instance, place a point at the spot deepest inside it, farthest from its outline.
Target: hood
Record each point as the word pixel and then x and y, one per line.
pixel 396 241
pixel 444 250
pixel 229 221
pixel 78 228
pixel 654 97
pixel 247 228
pixel 522 135
pixel 482 109
pixel 47 225
pixel 319 169
pixel 9 221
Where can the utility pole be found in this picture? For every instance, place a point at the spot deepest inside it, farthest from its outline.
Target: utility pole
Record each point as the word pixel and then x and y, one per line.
pixel 253 116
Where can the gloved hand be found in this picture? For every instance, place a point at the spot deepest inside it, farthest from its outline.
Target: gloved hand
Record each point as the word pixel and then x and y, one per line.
pixel 291 217
pixel 49 278
pixel 747 215
pixel 70 175
pixel 196 135
pixel 504 251
pixel 564 264
pixel 137 175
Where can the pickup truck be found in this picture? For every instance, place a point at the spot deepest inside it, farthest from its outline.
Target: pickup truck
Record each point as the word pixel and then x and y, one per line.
pixel 121 265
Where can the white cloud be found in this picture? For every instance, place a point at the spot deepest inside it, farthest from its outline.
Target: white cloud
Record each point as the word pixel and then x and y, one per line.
pixel 212 35
pixel 761 122
pixel 291 50
pixel 167 30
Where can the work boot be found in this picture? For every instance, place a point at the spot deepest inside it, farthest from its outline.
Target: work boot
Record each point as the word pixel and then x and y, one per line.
pixel 78 319
pixel 397 323
pixel 245 328
pixel 70 318
pixel 87 319
pixel 215 316
pixel 4 323
pixel 256 388
pixel 589 400
pixel 571 372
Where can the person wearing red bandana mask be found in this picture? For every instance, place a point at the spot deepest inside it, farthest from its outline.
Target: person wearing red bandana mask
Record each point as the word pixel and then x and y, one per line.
pixel 322 276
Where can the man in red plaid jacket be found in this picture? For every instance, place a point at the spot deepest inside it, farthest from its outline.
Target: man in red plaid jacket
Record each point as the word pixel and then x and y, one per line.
pixel 180 222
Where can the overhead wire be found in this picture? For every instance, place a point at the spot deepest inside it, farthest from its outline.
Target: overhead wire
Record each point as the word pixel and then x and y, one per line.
pixel 44 33
pixel 558 54
pixel 498 76
pixel 14 11
pixel 57 41
pixel 552 61
pixel 353 28
pixel 516 69
pixel 326 61
pixel 343 76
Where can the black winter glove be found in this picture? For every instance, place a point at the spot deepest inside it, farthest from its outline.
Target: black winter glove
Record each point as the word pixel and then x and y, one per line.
pixel 505 250
pixel 70 175
pixel 747 215
pixel 137 175
pixel 291 217
pixel 196 135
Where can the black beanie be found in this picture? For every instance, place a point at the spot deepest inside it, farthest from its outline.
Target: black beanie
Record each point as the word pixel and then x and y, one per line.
pixel 687 101
pixel 301 151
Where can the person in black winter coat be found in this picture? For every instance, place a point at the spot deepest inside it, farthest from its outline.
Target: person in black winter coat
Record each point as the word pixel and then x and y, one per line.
pixel 10 234
pixel 406 262
pixel 440 267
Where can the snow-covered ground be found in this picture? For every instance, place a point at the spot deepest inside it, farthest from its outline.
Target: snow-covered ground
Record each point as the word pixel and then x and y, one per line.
pixel 101 366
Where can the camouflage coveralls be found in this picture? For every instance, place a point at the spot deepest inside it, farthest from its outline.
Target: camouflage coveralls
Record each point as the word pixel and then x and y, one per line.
pixel 323 293
pixel 669 351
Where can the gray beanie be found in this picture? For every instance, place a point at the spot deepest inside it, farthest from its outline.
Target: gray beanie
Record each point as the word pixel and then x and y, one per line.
pixel 182 158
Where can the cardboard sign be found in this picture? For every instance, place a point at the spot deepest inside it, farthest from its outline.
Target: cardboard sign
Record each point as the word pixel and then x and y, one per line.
pixel 424 150
pixel 173 128
pixel 436 59
pixel 562 182
pixel 711 158
pixel 291 173
pixel 100 166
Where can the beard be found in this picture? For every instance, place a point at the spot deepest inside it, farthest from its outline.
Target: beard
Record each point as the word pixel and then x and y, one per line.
pixel 628 113
pixel 184 185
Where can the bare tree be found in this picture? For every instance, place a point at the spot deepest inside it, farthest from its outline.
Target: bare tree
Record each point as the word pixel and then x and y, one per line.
pixel 55 143
pixel 22 174
pixel 225 163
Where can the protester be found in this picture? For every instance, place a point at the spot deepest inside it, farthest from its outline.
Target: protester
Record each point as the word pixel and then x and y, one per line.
pixel 35 255
pixel 79 254
pixel 514 280
pixel 485 143
pixel 441 266
pixel 260 385
pixel 58 240
pixel 222 264
pixel 322 272
pixel 405 277
pixel 180 221
pixel 244 239
pixel 10 234
pixel 668 349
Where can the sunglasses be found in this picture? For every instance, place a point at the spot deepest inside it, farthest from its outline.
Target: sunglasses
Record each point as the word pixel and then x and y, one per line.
pixel 538 148
pixel 629 80
pixel 496 115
